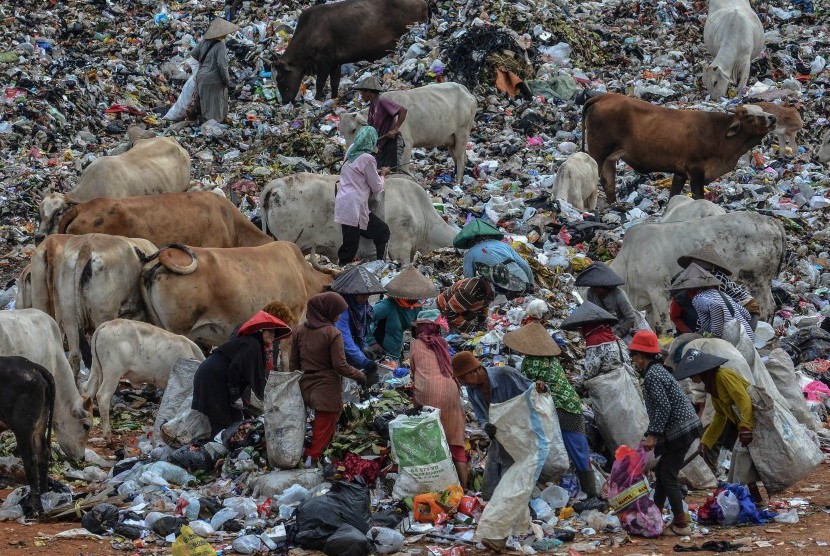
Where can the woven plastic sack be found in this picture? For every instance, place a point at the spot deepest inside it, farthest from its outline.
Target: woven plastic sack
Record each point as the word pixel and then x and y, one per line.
pixel 557 462
pixel 179 108
pixel 419 447
pixel 525 428
pixel 781 449
pixel 178 394
pixel 285 419
pixel 781 369
pixel 618 407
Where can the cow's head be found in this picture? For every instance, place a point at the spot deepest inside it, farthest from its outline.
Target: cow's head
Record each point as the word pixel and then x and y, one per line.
pixel 72 427
pixel 715 80
pixel 349 124
pixel 289 77
pixel 823 152
pixel 51 209
pixel 751 120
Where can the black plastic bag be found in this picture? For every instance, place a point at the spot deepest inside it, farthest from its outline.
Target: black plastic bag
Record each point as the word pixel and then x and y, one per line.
pixel 168 524
pixel 808 344
pixel 131 532
pixel 347 541
pixel 244 434
pixel 201 456
pixel 127 464
pixel 319 517
pixel 100 519
pixel 388 517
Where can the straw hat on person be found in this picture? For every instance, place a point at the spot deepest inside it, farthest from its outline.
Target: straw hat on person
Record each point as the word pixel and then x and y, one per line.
pixel 219 28
pixel 693 278
pixel 532 339
pixel 411 284
pixel 463 363
pixel 370 83
pixel 695 362
pixel 357 281
pixel 598 275
pixel 707 254
pixel 588 313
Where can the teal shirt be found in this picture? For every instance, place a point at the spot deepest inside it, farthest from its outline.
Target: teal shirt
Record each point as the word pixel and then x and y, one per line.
pixel 397 320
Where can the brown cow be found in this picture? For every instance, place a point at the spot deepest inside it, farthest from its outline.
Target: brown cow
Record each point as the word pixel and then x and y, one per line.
pixel 329 35
pixel 204 219
pixel 691 144
pixel 205 293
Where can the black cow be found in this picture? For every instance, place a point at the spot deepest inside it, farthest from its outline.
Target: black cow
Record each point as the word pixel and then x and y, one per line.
pixel 27 402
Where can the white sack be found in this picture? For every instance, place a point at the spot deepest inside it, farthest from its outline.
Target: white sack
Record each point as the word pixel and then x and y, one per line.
pixel 179 393
pixel 618 408
pixel 285 419
pixel 781 369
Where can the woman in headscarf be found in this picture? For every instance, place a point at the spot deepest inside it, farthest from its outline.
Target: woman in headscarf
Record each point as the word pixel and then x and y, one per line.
pixel 540 363
pixel 317 351
pixel 212 79
pixel 433 383
pixel 237 364
pixel 359 179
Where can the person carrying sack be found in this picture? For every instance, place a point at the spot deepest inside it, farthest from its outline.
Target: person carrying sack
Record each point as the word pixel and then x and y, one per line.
pixel 732 403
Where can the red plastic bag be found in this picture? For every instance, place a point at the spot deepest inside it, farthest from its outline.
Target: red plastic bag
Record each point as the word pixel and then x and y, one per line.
pixel 628 493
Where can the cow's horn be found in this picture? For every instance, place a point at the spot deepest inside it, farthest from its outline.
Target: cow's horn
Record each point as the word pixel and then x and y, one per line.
pixel 314 259
pixel 166 259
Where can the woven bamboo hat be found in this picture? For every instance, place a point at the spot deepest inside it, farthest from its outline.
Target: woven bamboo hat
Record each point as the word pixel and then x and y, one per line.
pixel 588 313
pixel 599 275
pixel 219 28
pixel 532 339
pixel 411 284
pixel 694 277
pixel 695 362
pixel 357 281
pixel 707 254
pixel 370 83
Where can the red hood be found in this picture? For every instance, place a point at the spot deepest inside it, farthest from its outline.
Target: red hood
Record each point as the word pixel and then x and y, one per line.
pixel 262 321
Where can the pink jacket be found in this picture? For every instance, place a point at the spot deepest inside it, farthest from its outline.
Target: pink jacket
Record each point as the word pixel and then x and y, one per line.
pixel 358 180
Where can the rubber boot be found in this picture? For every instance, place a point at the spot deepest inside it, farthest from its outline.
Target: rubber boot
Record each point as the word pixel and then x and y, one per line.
pixel 587 482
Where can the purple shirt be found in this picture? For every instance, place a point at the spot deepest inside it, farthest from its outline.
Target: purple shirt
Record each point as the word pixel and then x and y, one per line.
pixel 382 117
pixel 358 180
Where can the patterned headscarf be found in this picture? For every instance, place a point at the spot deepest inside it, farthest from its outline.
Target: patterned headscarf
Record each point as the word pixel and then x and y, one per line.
pixel 364 142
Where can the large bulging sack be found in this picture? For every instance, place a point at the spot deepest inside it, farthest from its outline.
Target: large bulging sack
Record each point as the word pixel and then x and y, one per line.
pixel 179 392
pixel 557 462
pixel 525 427
pixel 781 448
pixel 188 427
pixel 419 447
pixel 618 408
pixel 285 419
pixel 781 369
pixel 697 475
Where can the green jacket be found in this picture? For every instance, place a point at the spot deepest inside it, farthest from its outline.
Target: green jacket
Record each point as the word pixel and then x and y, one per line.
pixel 394 319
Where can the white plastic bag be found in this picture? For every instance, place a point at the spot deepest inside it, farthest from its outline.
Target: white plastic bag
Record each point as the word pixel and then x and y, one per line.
pixel 285 419
pixel 525 425
pixel 556 496
pixel 730 507
pixel 188 427
pixel 179 108
pixel 385 540
pixel 419 447
pixel 179 392
pixel 618 408
pixel 781 448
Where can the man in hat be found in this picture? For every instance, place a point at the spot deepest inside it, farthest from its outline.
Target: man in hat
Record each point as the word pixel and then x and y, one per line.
pixel 394 315
pixel 672 428
pixel 708 260
pixel 386 116
pixel 604 290
pixel 731 402
pixel 213 79
pixel 713 307
pixel 484 246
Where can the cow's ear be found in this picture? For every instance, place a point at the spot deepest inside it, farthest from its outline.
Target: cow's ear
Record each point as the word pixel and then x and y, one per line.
pixel 734 128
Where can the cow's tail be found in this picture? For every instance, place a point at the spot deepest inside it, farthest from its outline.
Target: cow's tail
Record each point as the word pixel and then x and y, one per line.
pixel 83 272
pixel 68 217
pixel 265 198
pixel 96 371
pixel 51 393
pixel 165 257
pixel 585 110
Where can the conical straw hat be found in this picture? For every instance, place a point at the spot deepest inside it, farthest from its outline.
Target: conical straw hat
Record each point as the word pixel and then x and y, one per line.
pixel 532 339
pixel 411 284
pixel 694 277
pixel 219 28
pixel 706 253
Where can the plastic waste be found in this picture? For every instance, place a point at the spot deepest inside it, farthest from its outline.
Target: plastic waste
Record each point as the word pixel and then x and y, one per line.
pixel 247 544
pixel 220 517
pixel 788 516
pixel 190 544
pixel 555 496
pixel 385 540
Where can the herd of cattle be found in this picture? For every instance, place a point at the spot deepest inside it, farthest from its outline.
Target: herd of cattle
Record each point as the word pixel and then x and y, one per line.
pixel 133 268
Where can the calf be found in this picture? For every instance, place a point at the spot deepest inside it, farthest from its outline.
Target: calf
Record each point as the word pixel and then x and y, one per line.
pixel 788 124
pixel 576 182
pixel 27 401
pixel 135 351
pixel 823 153
pixel 692 144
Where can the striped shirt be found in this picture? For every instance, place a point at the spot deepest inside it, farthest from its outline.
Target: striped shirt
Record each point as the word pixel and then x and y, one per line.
pixel 734 290
pixel 465 303
pixel 713 312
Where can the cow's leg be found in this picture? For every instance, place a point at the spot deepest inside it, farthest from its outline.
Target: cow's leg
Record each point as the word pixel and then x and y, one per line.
pixel 677 183
pixel 591 201
pixel 459 155
pixel 31 462
pixel 334 80
pixel 696 183
pixel 109 384
pixel 608 177
pixel 743 76
pixel 320 85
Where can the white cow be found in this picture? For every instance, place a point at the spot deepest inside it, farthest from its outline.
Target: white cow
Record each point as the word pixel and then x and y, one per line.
pixel 823 153
pixel 733 34
pixel 300 209
pixel 137 352
pixel 753 244
pixel 439 114
pixel 682 208
pixel 84 281
pixel 152 166
pixel 577 182
pixel 33 334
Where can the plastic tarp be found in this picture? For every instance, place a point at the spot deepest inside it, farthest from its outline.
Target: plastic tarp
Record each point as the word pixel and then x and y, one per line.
pixel 285 419
pixel 782 449
pixel 618 408
pixel 525 428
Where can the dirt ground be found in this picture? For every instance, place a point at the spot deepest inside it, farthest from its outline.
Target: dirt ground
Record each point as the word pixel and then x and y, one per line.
pixel 811 535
